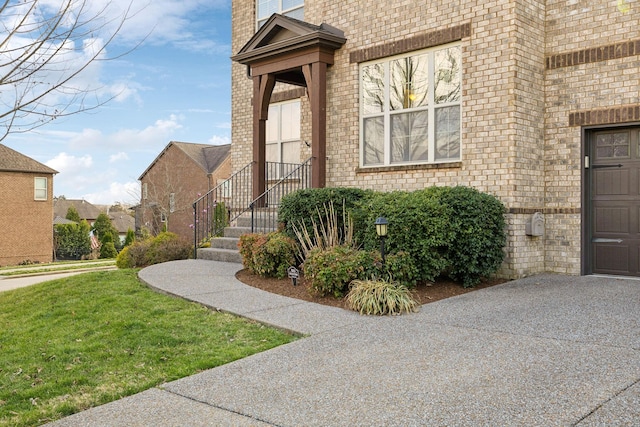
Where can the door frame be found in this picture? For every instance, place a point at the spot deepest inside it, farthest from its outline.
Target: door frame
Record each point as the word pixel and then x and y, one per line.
pixel 586 209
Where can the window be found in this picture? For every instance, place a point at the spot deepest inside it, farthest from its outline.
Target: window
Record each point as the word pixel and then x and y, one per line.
pixel 40 188
pixel 283 137
pixel 266 8
pixel 410 108
pixel 145 192
pixel 172 202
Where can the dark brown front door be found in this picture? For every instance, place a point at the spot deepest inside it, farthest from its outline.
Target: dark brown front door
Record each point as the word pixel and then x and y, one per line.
pixel 615 201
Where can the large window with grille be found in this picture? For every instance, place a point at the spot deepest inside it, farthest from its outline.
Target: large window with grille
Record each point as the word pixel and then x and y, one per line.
pixel 410 108
pixel 266 8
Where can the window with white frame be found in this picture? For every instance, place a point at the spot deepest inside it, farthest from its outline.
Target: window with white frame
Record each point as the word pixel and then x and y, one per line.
pixel 40 188
pixel 172 202
pixel 283 137
pixel 266 8
pixel 410 108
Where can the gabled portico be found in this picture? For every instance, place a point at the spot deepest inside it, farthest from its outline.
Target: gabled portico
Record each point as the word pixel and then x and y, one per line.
pixel 290 51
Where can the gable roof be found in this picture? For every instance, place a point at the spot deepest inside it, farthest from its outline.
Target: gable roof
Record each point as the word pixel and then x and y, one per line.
pixel 12 161
pixel 122 221
pixel 85 209
pixel 281 34
pixel 207 157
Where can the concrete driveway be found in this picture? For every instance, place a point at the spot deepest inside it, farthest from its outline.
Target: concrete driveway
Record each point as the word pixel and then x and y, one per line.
pixel 542 351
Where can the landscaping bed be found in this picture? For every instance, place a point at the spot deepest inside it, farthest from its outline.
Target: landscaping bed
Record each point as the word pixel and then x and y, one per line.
pixel 424 293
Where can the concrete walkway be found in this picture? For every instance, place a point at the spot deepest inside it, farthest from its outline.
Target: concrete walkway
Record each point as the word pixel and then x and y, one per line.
pixel 542 351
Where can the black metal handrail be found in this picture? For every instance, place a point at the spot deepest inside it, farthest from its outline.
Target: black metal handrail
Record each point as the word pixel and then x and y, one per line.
pixel 213 211
pixel 226 202
pixel 264 208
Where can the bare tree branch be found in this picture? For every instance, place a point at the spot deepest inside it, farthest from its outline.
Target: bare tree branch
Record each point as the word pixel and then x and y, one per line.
pixel 44 51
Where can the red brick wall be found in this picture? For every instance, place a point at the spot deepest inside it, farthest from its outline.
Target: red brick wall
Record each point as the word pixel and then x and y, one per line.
pixel 176 173
pixel 27 224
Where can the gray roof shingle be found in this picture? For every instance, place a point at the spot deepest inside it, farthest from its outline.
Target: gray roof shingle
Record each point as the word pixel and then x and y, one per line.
pixel 12 161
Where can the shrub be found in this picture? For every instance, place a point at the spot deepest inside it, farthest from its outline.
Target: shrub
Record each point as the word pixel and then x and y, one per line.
pixel 246 247
pixel 107 248
pixel 418 225
pixel 300 207
pixel 268 255
pixel 379 297
pixel 130 238
pixel 331 270
pixel 220 219
pixel 72 240
pixel 162 248
pixel 478 226
pixel 400 268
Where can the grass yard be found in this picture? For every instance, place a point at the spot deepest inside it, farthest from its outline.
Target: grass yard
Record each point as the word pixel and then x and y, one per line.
pixel 85 340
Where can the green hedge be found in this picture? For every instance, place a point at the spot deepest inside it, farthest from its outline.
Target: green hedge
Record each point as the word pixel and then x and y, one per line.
pixel 303 206
pixel 162 248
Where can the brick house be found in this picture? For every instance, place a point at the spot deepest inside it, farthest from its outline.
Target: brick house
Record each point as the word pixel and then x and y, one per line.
pixel 535 102
pixel 86 210
pixel 176 177
pixel 26 210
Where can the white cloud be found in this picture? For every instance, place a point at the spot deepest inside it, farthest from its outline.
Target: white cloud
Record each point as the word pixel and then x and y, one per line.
pixel 151 136
pixel 219 140
pixel 64 162
pixel 124 192
pixel 118 157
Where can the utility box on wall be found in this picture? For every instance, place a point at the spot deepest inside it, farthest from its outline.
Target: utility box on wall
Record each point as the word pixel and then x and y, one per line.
pixel 535 225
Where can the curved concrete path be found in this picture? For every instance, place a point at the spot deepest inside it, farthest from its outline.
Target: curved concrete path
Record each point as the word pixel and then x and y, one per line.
pixel 548 350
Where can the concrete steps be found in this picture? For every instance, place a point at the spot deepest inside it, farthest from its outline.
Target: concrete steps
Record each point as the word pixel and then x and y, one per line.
pixel 225 248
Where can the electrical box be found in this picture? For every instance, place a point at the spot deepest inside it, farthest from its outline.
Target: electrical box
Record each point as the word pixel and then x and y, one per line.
pixel 535 225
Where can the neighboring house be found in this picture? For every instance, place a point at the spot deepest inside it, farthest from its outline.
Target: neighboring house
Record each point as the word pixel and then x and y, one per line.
pixel 535 102
pixel 123 222
pixel 86 210
pixel 175 179
pixel 26 209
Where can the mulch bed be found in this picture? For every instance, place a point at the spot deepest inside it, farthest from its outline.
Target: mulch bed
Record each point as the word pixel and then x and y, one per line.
pixel 424 293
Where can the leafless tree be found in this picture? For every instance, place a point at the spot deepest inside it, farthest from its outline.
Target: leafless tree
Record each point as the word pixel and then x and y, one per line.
pixel 44 48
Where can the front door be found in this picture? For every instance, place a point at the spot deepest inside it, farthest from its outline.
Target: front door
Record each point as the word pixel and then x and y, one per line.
pixel 614 192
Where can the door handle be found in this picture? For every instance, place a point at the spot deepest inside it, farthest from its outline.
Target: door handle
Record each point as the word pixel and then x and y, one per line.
pixel 606 166
pixel 603 240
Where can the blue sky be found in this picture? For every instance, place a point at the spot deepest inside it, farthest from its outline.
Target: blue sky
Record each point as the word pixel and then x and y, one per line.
pixel 175 86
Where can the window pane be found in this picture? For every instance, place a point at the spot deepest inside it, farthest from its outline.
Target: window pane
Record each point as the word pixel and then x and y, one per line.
pixel 409 137
pixel 290 4
pixel 447 75
pixel 374 141
pixel 272 123
pixel 40 188
pixel 272 152
pixel 296 13
pixel 612 145
pixel 267 7
pixel 409 82
pixel 291 152
pixel 447 133
pixel 290 114
pixel 373 89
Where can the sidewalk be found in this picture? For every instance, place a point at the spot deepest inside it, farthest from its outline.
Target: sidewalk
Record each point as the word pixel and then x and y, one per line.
pixel 541 351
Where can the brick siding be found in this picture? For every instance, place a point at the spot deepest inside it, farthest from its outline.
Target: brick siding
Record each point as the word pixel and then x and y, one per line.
pixel 27 234
pixel 534 72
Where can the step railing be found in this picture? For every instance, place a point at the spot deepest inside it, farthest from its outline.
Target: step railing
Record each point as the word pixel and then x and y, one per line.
pixel 226 202
pixel 264 208
pixel 212 211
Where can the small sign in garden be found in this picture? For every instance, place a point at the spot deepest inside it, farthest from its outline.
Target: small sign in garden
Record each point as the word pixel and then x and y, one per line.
pixel 294 273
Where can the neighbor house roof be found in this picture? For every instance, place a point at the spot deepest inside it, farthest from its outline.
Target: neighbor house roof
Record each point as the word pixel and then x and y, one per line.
pixel 208 157
pixel 122 221
pixel 85 209
pixel 12 161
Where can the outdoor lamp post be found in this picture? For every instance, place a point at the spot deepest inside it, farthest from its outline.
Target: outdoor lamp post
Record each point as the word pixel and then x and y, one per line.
pixel 381 230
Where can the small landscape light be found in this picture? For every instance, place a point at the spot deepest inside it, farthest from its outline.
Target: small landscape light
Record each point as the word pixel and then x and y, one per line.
pixel 381 229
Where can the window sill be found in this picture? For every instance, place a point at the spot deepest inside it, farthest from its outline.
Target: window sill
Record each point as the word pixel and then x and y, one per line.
pixel 408 168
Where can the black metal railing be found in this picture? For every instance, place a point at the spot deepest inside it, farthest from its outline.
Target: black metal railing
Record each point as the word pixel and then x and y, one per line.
pixel 224 204
pixel 264 208
pixel 213 211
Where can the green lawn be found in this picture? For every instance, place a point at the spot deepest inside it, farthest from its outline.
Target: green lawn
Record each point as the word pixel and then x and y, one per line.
pixel 81 341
